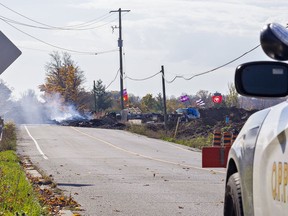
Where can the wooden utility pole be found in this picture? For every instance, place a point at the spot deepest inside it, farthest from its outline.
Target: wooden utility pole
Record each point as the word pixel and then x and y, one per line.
pixel 164 97
pixel 120 45
pixel 95 97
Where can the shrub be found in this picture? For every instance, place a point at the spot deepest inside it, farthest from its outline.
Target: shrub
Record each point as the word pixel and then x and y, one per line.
pixel 9 137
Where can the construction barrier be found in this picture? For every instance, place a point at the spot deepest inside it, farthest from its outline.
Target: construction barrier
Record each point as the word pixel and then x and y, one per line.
pixel 227 138
pixel 215 156
pixel 217 138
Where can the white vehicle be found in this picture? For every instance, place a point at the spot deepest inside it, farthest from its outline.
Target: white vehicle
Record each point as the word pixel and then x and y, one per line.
pixel 257 165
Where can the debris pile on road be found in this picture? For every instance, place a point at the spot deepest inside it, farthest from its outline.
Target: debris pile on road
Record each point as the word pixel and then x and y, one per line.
pixel 107 122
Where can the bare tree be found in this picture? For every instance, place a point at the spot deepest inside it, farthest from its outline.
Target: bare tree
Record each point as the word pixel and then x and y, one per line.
pixel 232 97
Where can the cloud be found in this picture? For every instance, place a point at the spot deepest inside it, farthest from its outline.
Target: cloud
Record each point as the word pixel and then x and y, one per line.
pixel 227 17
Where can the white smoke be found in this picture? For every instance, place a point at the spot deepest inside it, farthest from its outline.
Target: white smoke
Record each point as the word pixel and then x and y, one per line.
pixel 59 111
pixel 29 110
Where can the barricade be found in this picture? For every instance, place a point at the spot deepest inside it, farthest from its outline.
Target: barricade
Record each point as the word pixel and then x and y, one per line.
pixel 217 138
pixel 227 138
pixel 215 156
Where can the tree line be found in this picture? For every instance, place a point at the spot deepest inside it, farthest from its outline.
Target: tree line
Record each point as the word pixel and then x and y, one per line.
pixel 65 79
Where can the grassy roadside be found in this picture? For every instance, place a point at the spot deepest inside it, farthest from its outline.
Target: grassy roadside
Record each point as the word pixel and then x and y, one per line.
pixel 157 133
pixel 16 194
pixel 22 193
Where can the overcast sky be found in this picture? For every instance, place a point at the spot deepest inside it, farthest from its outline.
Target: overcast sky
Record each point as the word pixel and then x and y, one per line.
pixel 187 37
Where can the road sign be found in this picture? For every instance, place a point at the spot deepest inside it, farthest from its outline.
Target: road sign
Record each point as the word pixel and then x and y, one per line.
pixel 8 52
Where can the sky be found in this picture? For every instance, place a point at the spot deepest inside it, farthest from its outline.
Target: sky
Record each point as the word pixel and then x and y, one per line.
pixel 187 37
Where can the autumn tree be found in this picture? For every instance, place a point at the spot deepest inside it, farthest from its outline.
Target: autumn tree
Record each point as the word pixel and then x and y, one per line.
pixel 148 103
pixel 64 77
pixel 134 101
pixel 173 104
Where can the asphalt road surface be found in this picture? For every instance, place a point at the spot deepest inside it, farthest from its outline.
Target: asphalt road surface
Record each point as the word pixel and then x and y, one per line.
pixel 113 172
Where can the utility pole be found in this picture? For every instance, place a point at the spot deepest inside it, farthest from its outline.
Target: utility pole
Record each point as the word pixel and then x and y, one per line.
pixel 120 45
pixel 164 97
pixel 95 97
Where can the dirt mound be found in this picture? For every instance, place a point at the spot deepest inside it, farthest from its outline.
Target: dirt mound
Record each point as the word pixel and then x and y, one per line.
pixel 228 119
pixel 212 116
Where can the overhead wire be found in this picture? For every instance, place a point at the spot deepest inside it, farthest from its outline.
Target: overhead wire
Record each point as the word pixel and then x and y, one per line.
pixel 69 27
pixel 142 79
pixel 199 74
pixel 80 28
pixel 113 79
pixel 61 48
pixel 214 69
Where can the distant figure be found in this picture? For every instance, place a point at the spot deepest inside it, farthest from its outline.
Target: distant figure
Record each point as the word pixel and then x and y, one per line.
pixel 227 119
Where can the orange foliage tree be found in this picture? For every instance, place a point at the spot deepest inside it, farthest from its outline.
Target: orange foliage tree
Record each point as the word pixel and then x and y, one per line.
pixel 65 78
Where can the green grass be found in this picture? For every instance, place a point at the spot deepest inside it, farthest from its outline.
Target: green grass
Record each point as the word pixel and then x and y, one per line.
pixel 16 193
pixel 157 133
pixel 198 142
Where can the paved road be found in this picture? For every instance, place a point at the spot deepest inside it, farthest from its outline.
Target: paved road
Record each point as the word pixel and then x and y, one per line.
pixel 111 172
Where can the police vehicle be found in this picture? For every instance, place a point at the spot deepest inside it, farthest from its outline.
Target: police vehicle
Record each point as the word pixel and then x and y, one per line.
pixel 257 165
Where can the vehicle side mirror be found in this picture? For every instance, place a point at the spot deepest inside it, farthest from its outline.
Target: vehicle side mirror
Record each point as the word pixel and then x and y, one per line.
pixel 274 41
pixel 262 79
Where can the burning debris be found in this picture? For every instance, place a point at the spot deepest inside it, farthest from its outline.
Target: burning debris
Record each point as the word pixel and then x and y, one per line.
pixel 68 115
pixel 105 122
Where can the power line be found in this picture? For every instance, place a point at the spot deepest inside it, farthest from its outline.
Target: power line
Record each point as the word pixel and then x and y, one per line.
pixel 143 79
pixel 199 74
pixel 61 48
pixel 214 69
pixel 80 28
pixel 70 27
pixel 113 79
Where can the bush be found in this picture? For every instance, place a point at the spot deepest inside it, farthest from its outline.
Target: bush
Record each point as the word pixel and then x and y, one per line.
pixel 9 137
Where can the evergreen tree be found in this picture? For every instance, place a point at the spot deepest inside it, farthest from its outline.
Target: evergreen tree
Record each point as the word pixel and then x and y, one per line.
pixel 101 97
